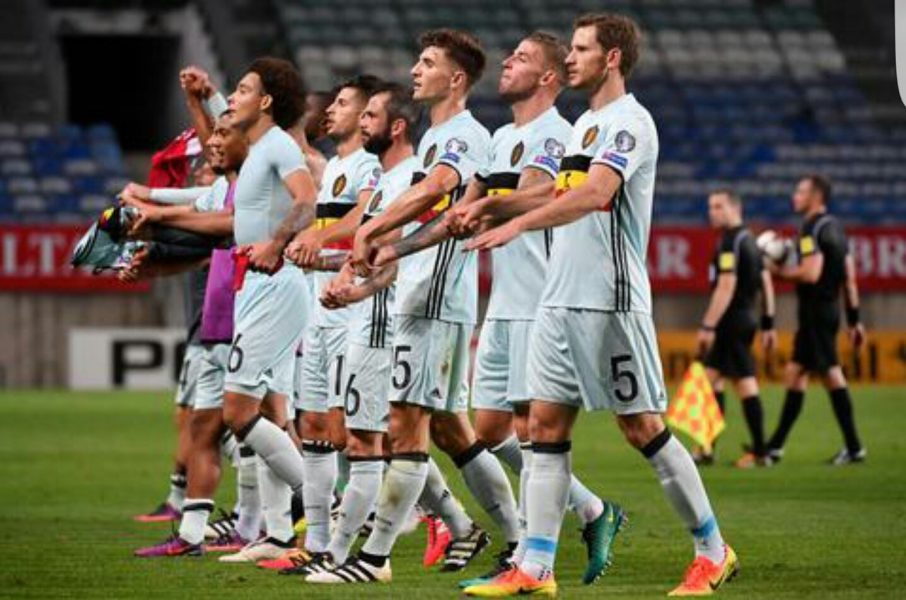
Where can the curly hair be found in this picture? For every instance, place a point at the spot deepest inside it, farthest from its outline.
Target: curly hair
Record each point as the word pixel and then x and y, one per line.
pixel 284 84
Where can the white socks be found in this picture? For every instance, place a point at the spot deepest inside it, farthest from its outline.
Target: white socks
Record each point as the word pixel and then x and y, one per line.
pixel 547 493
pixel 321 476
pixel 361 494
pixel 195 513
pixel 275 447
pixel 489 485
pixel 276 496
pixel 403 484
pixel 437 497
pixel 684 488
pixel 248 526
pixel 177 494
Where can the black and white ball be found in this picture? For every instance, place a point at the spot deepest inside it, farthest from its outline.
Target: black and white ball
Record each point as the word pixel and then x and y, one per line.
pixel 776 248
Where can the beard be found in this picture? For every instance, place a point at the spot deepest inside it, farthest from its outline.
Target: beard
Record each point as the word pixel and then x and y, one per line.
pixel 378 143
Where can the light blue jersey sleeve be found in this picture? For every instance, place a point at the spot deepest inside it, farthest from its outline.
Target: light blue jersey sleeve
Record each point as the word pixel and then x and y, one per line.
pixel 485 170
pixel 286 156
pixel 367 174
pixel 626 145
pixel 216 105
pixel 213 200
pixel 465 150
pixel 547 145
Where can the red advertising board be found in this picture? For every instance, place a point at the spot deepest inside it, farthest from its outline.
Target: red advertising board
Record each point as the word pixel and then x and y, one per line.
pixel 678 257
pixel 35 258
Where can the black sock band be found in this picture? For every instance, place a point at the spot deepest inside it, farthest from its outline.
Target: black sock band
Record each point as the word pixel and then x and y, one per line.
pixel 245 429
pixel 207 505
pixel 552 447
pixel 655 445
pixel 792 406
pixel 843 410
pixel 355 459
pixel 410 456
pixel 372 559
pixel 754 415
pixel 178 480
pixel 246 451
pixel 317 446
pixel 461 460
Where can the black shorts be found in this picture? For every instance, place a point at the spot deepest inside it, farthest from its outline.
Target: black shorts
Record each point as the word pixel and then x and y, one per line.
pixel 731 354
pixel 815 344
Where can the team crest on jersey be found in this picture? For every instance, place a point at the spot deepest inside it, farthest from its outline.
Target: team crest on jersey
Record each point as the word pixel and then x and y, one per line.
pixel 624 141
pixel 375 201
pixel 339 184
pixel 591 134
pixel 429 155
pixel 516 154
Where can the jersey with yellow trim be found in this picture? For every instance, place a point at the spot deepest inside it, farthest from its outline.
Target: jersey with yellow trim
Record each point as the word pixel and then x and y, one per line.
pixel 371 323
pixel 822 234
pixel 441 282
pixel 343 180
pixel 598 261
pixel 736 252
pixel 261 199
pixel 519 267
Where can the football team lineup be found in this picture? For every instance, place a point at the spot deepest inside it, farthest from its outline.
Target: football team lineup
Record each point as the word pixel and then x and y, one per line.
pixel 332 300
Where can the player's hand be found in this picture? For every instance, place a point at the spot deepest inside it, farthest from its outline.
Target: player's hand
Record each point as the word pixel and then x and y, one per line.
pixel 385 255
pixel 857 335
pixel 196 82
pixel 138 268
pixel 363 252
pixel 769 340
pixel 265 257
pixel 459 220
pixel 149 215
pixel 704 339
pixel 495 237
pixel 305 248
pixel 134 194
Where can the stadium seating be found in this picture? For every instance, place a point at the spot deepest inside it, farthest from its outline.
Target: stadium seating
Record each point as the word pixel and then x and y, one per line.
pixel 745 94
pixel 60 175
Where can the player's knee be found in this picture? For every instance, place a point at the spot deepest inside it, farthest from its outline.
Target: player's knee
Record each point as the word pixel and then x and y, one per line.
pixel 314 426
pixel 491 433
pixel 236 415
pixel 638 430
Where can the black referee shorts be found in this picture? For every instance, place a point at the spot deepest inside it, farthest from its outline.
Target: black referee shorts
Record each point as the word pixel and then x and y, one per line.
pixel 815 344
pixel 731 354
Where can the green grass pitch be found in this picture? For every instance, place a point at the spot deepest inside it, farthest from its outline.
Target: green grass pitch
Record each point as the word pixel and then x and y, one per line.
pixel 74 468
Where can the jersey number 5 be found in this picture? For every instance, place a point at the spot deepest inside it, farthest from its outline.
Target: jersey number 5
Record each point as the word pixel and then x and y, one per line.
pixel 399 364
pixel 618 374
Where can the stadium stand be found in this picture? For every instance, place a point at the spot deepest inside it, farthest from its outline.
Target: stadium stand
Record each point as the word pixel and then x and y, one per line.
pixel 746 93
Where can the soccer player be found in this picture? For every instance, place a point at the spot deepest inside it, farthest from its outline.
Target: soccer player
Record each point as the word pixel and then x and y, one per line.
pixel 593 344
pixel 727 330
pixel 228 149
pixel 388 126
pixel 436 305
pixel 524 153
pixel 274 200
pixel 823 269
pixel 348 181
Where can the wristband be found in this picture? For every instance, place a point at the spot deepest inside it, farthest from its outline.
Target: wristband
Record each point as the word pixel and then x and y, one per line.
pixel 852 316
pixel 767 322
pixel 708 328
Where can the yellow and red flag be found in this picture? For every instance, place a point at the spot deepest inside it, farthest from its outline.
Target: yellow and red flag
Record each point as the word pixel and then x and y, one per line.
pixel 694 408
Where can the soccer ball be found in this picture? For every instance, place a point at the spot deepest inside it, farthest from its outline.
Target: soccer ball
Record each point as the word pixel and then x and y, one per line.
pixel 776 248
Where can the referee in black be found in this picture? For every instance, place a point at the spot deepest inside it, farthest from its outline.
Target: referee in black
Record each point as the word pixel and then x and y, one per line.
pixel 824 269
pixel 737 275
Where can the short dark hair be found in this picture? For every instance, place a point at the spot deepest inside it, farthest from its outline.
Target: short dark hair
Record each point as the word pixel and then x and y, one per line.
pixel 820 183
pixel 365 84
pixel 615 31
pixel 554 50
pixel 284 84
pixel 400 105
pixel 462 47
pixel 732 196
